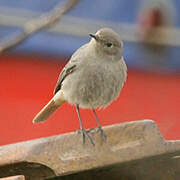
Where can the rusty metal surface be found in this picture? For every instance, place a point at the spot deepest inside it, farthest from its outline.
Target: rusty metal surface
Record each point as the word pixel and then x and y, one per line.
pixel 161 167
pixel 130 147
pixel 19 177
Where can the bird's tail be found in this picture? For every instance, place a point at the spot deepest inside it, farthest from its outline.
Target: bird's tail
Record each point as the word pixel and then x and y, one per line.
pixel 48 110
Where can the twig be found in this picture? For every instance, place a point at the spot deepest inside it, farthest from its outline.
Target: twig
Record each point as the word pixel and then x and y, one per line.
pixel 44 21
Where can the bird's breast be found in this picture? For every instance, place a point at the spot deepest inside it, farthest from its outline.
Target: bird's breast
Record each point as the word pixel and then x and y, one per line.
pixel 96 85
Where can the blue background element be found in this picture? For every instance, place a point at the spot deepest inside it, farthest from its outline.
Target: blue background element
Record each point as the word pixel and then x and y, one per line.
pixel 122 11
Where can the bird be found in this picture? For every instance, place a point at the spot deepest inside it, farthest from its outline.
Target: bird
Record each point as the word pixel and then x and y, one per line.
pixel 92 78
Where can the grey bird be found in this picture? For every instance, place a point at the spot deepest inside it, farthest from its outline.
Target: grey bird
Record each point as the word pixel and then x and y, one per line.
pixel 93 78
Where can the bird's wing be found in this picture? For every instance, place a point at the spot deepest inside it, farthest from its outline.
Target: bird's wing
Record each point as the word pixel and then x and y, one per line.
pixel 68 69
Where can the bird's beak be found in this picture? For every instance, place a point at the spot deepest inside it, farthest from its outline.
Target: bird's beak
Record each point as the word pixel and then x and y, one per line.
pixel 94 36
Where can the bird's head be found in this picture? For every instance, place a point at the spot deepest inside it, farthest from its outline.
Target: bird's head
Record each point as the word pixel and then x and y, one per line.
pixel 107 43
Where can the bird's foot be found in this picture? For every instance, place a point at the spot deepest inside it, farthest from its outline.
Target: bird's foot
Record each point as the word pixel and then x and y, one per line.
pixel 85 134
pixel 87 130
pixel 103 135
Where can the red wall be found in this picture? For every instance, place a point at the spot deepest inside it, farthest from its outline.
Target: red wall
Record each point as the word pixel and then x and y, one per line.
pixel 27 83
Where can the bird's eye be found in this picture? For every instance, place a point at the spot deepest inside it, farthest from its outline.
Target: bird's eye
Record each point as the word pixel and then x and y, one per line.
pixel 108 44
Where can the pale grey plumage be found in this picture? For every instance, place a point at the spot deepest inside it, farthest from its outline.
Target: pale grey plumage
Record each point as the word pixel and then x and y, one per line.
pixel 93 77
pixel 98 76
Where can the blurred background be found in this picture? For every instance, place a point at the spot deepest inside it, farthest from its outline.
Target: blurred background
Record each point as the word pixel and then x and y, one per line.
pixel 28 73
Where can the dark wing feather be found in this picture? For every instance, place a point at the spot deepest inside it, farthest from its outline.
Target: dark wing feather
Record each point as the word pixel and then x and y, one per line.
pixel 68 69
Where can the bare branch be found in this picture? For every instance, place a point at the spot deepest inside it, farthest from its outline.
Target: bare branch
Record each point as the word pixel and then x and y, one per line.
pixel 44 21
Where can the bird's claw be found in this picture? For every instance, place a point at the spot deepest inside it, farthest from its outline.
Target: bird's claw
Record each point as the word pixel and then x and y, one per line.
pixel 103 135
pixel 85 134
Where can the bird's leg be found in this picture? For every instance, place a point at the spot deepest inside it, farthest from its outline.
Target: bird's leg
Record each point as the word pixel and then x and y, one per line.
pixel 83 131
pixel 99 125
